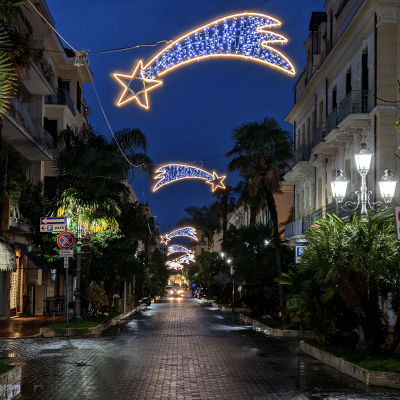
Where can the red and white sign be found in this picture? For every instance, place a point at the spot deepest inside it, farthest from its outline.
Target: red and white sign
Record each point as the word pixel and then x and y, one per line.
pixel 65 240
pixel 397 216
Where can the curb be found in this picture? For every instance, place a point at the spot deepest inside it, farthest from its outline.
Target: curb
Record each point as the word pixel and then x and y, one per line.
pixel 10 383
pixel 258 326
pixel 48 333
pixel 374 378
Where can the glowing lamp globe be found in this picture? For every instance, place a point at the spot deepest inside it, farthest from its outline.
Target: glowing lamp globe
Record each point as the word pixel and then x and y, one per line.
pixel 339 186
pixel 387 186
pixel 363 159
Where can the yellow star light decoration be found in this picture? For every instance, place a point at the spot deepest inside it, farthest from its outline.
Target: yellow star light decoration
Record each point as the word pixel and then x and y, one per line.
pixel 216 182
pixel 128 94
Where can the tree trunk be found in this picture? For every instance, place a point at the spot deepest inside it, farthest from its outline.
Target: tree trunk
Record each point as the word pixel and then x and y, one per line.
pixel 277 241
pixel 253 215
pixel 2 172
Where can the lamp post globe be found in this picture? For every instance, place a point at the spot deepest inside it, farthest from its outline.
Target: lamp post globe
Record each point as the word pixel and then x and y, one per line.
pixel 339 186
pixel 387 187
pixel 363 160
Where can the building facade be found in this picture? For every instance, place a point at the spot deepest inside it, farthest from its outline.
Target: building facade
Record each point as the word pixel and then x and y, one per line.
pixel 345 96
pixel 48 100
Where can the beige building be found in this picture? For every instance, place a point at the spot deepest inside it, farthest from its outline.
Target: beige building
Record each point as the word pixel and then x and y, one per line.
pixel 345 96
pixel 48 101
pixel 201 246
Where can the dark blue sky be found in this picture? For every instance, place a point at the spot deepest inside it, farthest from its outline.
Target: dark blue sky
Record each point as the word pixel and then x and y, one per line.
pixel 192 115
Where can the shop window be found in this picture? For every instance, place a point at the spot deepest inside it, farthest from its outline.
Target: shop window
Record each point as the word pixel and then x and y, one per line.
pixel 53 276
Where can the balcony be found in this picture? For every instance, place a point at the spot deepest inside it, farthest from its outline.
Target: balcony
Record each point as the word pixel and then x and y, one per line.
pixel 62 99
pixel 332 120
pixel 23 132
pixel 297 228
pixel 318 135
pixel 303 153
pixel 356 102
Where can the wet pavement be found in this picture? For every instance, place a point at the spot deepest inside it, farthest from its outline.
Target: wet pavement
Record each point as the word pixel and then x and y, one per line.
pixel 27 326
pixel 177 350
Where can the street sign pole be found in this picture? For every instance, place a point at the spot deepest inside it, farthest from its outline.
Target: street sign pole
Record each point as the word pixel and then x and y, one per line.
pixel 67 286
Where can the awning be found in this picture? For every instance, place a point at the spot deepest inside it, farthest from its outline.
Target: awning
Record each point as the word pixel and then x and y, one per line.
pixel 7 258
pixel 32 256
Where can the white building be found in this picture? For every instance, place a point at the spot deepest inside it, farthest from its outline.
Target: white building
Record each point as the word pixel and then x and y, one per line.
pixel 345 96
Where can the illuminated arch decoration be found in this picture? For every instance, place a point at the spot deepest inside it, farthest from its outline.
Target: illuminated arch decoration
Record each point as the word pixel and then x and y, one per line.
pixel 186 232
pixel 178 249
pixel 244 35
pixel 175 172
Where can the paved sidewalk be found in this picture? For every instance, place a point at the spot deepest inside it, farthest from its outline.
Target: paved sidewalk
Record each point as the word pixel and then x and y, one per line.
pixel 178 350
pixel 26 326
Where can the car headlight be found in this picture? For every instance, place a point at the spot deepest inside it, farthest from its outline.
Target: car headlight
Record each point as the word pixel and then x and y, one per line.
pixel 171 292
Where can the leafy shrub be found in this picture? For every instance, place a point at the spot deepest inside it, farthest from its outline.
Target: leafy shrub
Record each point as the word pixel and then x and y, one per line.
pixel 97 297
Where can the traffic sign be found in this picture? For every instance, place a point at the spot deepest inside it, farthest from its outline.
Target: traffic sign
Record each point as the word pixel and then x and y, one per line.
pixel 397 216
pixel 65 240
pixel 52 228
pixel 52 221
pixel 299 253
pixel 65 262
pixel 66 253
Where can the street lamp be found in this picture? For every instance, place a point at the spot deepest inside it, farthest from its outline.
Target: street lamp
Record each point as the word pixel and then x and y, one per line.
pixel 387 186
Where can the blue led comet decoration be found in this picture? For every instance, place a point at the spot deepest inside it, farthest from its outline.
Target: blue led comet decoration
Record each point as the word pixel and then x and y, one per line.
pixel 173 265
pixel 243 36
pixel 175 172
pixel 185 259
pixel 187 232
pixel 178 249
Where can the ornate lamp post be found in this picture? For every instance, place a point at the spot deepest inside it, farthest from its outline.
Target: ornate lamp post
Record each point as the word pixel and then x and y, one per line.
pixel 387 186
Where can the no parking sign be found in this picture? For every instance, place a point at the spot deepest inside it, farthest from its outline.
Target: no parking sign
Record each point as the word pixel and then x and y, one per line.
pixel 65 240
pixel 397 216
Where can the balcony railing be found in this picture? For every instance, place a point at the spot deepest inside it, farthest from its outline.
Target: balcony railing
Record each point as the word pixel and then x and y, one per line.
pixel 332 120
pixel 303 153
pixel 31 126
pixel 318 135
pixel 44 66
pixel 297 228
pixel 61 98
pixel 356 102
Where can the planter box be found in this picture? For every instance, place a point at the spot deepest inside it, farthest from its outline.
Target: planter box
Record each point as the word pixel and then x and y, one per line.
pixel 10 383
pixel 375 378
pixel 258 326
pixel 229 309
pixel 47 332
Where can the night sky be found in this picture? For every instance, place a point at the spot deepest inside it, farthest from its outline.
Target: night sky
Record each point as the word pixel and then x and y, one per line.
pixel 192 114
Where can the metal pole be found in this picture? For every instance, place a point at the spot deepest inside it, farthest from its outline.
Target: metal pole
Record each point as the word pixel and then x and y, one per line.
pixel 233 298
pixel 66 293
pixel 134 288
pixel 363 196
pixel 77 301
pixel 124 296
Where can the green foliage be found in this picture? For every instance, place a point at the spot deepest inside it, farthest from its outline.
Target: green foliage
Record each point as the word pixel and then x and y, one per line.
pixel 5 368
pixel 346 265
pixel 89 323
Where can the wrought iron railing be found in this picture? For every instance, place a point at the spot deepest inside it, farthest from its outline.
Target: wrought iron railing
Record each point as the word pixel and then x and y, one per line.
pixel 30 125
pixel 356 102
pixel 44 66
pixel 332 120
pixel 318 135
pixel 303 153
pixel 61 98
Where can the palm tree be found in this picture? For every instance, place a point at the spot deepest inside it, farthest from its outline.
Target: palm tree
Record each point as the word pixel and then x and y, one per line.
pixel 225 205
pixel 254 204
pixel 359 257
pixel 260 149
pixel 206 219
pixel 16 53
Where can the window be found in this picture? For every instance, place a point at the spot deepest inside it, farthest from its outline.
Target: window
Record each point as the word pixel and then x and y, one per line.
pixel 202 250
pixel 53 276
pixel 51 126
pixel 78 97
pixel 64 85
pixel 348 82
pixel 334 98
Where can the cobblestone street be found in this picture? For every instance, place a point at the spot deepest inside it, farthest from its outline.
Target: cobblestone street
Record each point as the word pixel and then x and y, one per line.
pixel 177 350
